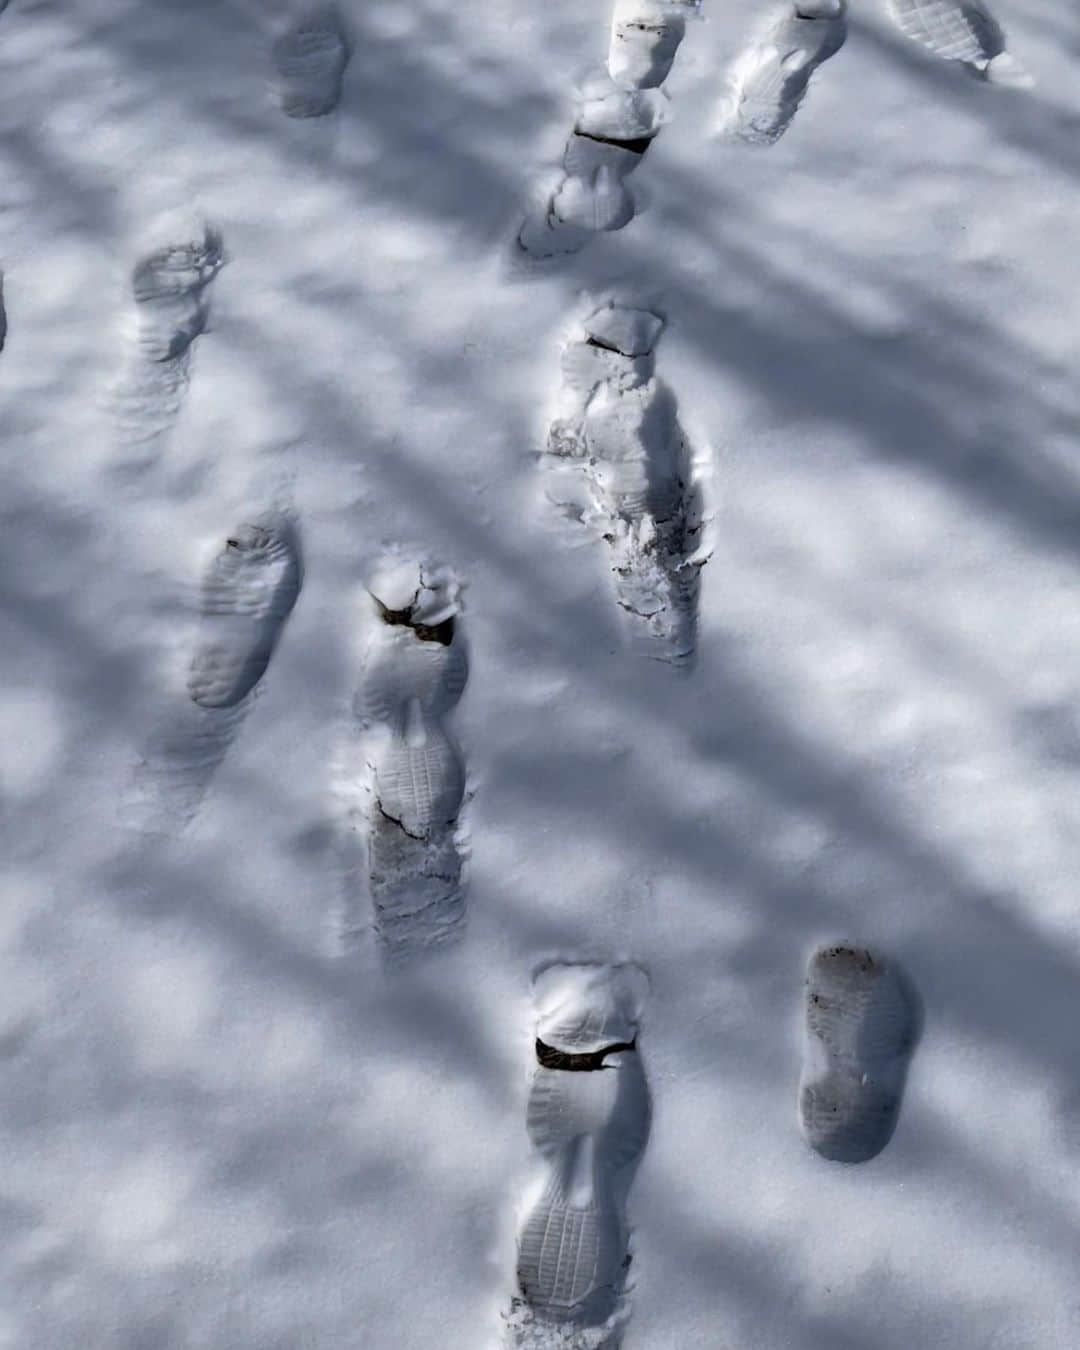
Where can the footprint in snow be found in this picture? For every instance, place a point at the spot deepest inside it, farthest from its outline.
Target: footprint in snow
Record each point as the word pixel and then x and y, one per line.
pixel 618 429
pixel 770 80
pixel 588 1118
pixel 248 592
pixel 620 115
pixel 171 290
pixel 309 61
pixel 964 31
pixel 415 671
pixel 860 1030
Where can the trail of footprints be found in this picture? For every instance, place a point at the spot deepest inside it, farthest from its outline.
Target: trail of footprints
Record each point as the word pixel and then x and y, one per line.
pixel 623 110
pixel 171 285
pixel 617 425
pixel 620 115
pixel 770 79
pixel 588 1119
pixel 414 673
pixel 617 430
pixel 254 580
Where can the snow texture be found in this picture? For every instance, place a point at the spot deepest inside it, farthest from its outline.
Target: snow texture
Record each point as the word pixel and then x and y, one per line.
pixel 223 1126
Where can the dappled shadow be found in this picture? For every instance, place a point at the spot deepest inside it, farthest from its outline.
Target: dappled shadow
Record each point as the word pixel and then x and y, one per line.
pixel 302 1130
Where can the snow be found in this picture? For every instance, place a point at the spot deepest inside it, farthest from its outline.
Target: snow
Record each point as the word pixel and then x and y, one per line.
pixel 222 1123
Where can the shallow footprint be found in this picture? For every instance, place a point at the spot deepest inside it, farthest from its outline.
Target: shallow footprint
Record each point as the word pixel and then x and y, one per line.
pixel 169 287
pixel 770 81
pixel 248 593
pixel 588 1118
pixel 860 1030
pixel 180 759
pixel 966 32
pixel 309 62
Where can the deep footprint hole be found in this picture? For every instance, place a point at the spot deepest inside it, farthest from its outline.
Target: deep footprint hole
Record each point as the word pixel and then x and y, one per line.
pixel 582 1062
pixel 443 632
pixel 637 145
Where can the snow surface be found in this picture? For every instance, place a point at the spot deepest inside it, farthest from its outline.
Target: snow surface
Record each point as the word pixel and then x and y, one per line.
pixel 220 1127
